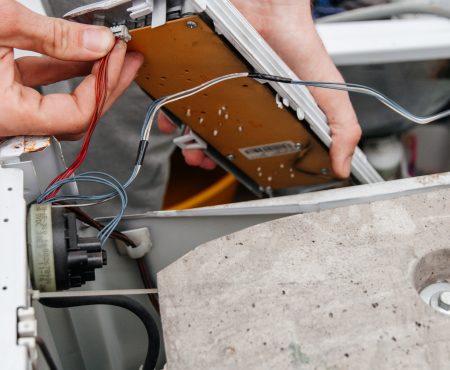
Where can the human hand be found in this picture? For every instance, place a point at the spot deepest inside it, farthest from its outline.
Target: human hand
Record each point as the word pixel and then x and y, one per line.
pixel 288 27
pixel 68 49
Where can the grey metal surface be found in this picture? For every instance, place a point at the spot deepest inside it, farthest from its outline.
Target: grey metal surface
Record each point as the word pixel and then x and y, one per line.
pixel 336 289
pixel 175 233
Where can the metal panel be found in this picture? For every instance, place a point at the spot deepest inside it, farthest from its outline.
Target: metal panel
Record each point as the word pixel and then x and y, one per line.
pixel 13 267
pixel 175 233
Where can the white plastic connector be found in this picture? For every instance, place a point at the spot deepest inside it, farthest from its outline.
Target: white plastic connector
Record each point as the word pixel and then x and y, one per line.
pixel 27 330
pixel 140 8
pixel 121 32
pixel 300 114
pixel 142 239
pixel 190 141
pixel 278 101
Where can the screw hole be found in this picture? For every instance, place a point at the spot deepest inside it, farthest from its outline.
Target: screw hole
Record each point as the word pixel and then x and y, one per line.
pixel 4 288
pixel 5 220
pixel 163 78
pixel 205 95
pixel 189 80
pixel 10 189
pixel 186 71
pixel 245 85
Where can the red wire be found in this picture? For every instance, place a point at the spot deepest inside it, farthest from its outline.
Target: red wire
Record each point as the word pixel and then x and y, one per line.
pixel 101 85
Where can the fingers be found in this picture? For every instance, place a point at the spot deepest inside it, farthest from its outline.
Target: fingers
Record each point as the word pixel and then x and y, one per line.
pixel 133 61
pixel 23 29
pixel 165 125
pixel 65 114
pixel 196 158
pixel 345 138
pixel 41 71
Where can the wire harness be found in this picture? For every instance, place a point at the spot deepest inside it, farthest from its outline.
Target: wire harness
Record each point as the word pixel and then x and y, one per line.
pixel 117 189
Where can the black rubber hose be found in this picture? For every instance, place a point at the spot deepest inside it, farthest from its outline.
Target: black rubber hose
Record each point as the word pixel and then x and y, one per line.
pixel 46 353
pixel 118 301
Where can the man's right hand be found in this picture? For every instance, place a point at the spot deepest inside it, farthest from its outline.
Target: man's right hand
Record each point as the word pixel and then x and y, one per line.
pixel 69 50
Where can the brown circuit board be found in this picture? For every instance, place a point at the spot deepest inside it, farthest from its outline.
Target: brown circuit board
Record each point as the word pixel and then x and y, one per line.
pixel 239 118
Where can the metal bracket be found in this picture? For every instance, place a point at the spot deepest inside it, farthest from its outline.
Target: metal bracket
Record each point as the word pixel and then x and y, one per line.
pixel 190 141
pixel 13 148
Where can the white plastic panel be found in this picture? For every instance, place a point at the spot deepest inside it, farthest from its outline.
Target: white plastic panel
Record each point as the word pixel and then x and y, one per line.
pixel 372 42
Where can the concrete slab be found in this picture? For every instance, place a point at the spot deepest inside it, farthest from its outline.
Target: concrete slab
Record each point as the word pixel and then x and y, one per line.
pixel 336 289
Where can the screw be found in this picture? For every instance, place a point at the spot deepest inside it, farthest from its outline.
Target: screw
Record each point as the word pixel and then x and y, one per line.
pixel 325 171
pixel 444 301
pixel 191 25
pixel 230 157
pixel 298 146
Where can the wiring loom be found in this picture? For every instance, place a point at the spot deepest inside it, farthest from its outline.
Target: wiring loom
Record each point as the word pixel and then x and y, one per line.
pixel 101 85
pixel 154 108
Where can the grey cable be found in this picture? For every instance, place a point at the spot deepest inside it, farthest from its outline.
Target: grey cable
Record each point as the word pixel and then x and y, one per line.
pixel 439 8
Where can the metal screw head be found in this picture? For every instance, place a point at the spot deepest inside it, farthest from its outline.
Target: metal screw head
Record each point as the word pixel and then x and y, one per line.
pixel 269 191
pixel 230 157
pixel 191 25
pixel 444 301
pixel 325 171
pixel 298 146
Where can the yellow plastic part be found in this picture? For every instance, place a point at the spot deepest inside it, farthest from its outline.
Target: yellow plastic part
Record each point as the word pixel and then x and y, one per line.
pixel 221 192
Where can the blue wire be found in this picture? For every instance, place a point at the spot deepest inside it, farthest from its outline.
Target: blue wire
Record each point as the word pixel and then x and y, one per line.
pixel 91 177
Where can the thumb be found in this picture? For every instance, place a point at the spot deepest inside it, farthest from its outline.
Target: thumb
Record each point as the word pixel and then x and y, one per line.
pixel 54 37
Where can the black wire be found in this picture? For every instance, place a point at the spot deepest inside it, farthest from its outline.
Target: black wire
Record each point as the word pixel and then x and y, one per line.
pixel 123 302
pixel 46 353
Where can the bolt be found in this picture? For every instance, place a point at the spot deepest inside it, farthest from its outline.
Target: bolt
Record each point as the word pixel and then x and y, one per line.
pixel 444 301
pixel 230 157
pixel 191 25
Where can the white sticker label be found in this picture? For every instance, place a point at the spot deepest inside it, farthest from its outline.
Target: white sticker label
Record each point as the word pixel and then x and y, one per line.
pixel 270 150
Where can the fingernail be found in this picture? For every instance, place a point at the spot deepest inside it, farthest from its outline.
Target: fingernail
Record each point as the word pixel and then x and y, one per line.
pixel 97 40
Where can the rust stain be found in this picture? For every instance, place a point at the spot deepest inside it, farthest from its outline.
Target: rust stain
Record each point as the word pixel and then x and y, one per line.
pixel 33 144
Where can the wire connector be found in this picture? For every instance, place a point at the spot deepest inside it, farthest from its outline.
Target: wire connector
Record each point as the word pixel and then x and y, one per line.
pixel 121 32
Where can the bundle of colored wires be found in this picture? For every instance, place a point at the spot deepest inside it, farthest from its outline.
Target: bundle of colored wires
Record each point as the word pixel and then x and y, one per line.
pixel 101 84
pixel 151 116
pixel 89 177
